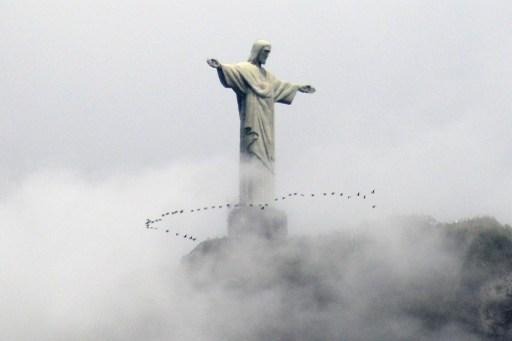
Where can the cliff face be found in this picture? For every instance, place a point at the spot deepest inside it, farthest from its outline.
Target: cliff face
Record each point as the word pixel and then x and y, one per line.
pixel 416 279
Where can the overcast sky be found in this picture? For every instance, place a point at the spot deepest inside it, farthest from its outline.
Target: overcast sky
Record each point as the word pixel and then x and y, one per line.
pixel 413 96
pixel 413 100
pixel 109 114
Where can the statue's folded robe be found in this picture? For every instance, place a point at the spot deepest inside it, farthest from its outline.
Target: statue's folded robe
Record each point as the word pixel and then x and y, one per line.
pixel 256 90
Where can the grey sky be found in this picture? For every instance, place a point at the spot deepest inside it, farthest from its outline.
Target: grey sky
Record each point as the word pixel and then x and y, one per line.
pixel 409 93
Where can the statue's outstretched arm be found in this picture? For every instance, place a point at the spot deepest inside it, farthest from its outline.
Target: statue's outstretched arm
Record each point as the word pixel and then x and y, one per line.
pixel 307 89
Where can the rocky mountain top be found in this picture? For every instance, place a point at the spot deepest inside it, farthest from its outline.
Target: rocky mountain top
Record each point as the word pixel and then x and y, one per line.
pixel 407 278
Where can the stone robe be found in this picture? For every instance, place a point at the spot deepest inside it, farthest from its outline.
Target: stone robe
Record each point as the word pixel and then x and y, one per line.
pixel 257 90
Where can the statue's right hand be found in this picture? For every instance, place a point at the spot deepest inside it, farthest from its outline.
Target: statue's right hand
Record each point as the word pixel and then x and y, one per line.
pixel 214 63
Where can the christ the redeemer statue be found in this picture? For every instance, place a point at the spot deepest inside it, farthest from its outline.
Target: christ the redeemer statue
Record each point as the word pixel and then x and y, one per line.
pixel 256 90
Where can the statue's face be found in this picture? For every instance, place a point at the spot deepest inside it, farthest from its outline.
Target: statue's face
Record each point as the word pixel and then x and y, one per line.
pixel 262 58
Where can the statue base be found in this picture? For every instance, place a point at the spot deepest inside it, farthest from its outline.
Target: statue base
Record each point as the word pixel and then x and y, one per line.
pixel 268 223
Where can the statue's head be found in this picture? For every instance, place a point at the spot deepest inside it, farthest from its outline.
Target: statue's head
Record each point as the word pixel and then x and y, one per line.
pixel 259 52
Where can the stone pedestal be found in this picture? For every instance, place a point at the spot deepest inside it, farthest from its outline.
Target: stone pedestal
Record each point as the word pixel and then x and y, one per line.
pixel 268 223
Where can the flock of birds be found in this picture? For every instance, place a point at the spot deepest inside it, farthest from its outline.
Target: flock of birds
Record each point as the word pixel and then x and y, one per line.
pixel 149 222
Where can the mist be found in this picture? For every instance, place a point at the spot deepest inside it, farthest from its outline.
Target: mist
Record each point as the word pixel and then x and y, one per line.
pixel 79 263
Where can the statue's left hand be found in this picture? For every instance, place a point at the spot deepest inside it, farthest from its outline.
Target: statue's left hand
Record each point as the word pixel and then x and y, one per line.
pixel 214 63
pixel 307 89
